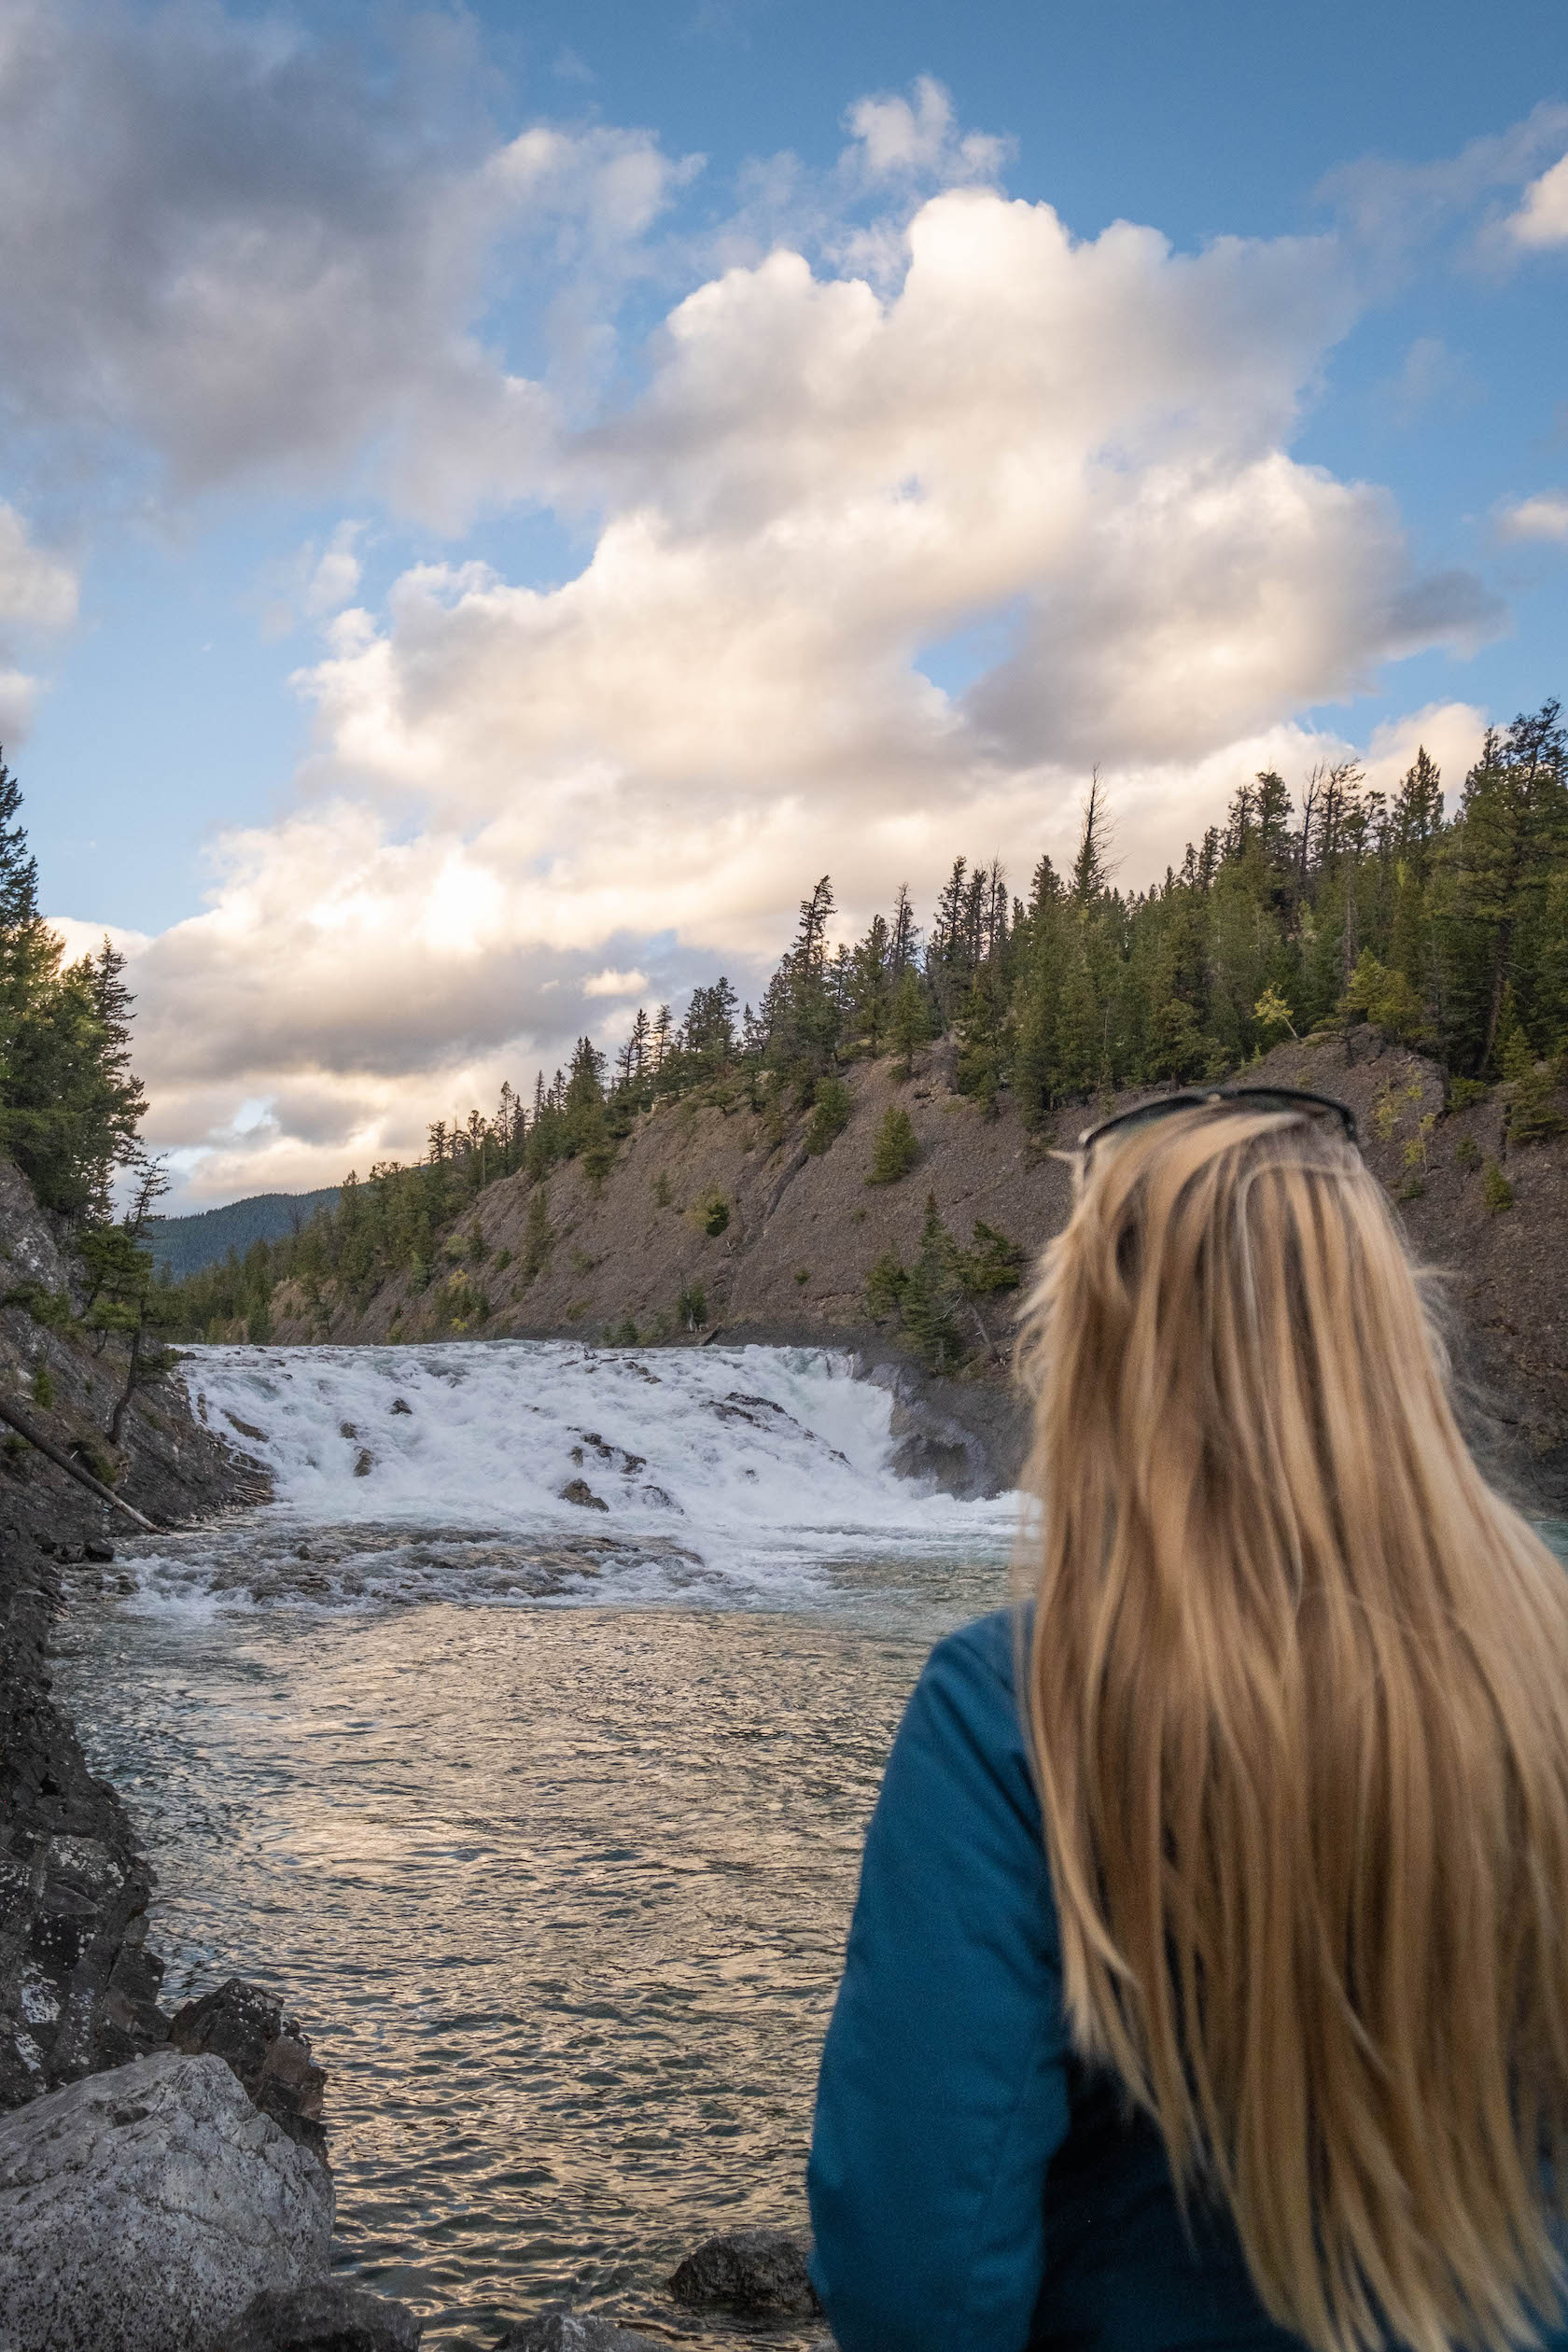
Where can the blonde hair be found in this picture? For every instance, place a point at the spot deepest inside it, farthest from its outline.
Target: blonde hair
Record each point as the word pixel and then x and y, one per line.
pixel 1298 1696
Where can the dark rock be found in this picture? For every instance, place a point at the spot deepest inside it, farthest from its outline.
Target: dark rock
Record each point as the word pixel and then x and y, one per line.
pixel 969 1441
pixel 401 1405
pixel 579 1491
pixel 364 1462
pixel 78 1989
pixel 269 2052
pixel 761 2273
pixel 95 1548
pixel 326 2316
pixel 574 2331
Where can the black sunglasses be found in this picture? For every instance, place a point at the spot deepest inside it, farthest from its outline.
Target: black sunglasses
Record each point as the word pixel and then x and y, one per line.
pixel 1244 1097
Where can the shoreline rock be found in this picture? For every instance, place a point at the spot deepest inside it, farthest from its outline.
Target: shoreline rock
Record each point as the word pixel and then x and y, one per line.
pixel 753 2274
pixel 327 2315
pixel 143 2208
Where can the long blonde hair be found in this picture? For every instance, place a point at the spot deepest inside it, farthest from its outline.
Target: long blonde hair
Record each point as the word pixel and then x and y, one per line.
pixel 1298 1698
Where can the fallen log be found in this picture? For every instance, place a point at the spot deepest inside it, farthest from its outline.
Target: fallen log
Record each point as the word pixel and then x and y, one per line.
pixel 26 1427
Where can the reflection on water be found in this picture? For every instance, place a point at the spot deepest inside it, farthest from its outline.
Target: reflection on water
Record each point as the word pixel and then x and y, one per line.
pixel 560 1895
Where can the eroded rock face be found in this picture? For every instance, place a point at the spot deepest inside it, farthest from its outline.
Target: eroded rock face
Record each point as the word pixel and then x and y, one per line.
pixel 325 2316
pixel 78 1990
pixel 143 2208
pixel 574 2331
pixel 761 2273
pixel 269 2052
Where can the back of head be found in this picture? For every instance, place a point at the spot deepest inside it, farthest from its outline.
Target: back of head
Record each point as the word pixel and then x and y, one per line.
pixel 1299 1700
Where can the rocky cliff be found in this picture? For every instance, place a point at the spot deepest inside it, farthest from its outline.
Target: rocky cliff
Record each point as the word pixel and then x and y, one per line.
pixel 779 1242
pixel 78 1989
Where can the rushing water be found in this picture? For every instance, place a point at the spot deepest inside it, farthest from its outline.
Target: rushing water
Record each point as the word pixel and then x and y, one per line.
pixel 545 1817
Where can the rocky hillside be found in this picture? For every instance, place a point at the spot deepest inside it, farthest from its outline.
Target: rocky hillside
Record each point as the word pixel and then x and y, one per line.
pixel 65 1380
pixel 707 1222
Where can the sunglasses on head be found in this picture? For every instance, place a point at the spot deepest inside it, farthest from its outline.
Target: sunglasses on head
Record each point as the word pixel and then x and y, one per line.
pixel 1243 1097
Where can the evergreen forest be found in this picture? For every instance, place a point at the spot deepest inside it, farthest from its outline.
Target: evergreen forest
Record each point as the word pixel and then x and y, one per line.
pixel 1303 910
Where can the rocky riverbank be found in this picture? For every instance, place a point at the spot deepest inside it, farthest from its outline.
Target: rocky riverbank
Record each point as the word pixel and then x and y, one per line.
pixel 779 1241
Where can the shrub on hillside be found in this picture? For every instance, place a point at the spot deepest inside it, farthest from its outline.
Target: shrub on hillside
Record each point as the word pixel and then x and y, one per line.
pixel 897 1148
pixel 829 1113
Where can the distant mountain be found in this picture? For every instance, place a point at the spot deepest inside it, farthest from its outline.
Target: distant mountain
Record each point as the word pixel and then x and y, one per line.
pixel 185 1244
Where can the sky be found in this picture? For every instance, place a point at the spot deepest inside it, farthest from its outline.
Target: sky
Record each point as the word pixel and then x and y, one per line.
pixel 495 501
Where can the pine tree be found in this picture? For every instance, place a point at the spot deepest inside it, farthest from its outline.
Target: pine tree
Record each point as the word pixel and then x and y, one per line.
pixel 909 1022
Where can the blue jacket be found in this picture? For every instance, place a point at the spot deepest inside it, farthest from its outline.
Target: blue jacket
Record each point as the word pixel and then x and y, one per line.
pixel 972 2189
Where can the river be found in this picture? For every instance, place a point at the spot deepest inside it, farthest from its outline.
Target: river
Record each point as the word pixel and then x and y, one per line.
pixel 544 1817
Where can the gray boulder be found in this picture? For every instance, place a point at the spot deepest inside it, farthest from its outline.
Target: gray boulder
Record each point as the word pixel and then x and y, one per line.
pixel 142 2209
pixel 574 2331
pixel 761 2273
pixel 326 2316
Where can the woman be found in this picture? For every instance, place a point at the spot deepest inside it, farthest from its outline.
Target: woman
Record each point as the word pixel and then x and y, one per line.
pixel 1209 1984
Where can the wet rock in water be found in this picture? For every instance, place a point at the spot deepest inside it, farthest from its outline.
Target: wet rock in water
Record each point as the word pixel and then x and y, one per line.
pixel 579 1491
pixel 96 1549
pixel 268 2053
pixel 143 2208
pixel 325 2316
pixel 364 1462
pixel 400 1405
pixel 574 2331
pixel 758 2273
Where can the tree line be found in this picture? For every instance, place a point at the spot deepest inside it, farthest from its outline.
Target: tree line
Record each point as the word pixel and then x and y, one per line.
pixel 71 1110
pixel 1298 912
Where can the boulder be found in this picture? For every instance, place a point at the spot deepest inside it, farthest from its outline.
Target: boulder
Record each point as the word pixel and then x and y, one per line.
pixel 574 2331
pixel 269 2052
pixel 143 2209
pixel 579 1491
pixel 761 2273
pixel 326 2316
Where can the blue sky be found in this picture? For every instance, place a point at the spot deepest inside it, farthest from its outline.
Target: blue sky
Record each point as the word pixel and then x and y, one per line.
pixel 386 289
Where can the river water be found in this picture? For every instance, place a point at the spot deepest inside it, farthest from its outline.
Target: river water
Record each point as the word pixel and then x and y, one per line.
pixel 545 1818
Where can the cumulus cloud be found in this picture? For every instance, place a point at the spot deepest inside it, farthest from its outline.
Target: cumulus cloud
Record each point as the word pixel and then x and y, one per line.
pixel 37 600
pixel 335 573
pixel 524 807
pixel 1542 219
pixel 1541 517
pixel 894 139
pixel 221 250
pixel 1388 208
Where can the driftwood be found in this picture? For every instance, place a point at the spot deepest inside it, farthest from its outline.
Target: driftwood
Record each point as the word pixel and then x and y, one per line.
pixel 29 1429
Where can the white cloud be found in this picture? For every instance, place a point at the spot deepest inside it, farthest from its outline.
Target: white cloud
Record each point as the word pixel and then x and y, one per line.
pixel 37 599
pixel 616 983
pixel 335 573
pixel 1541 517
pixel 1542 219
pixel 936 413
pixel 896 140
pixel 1388 208
pixel 37 591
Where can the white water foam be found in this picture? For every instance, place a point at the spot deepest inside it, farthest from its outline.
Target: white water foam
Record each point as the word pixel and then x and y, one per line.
pixel 741 1473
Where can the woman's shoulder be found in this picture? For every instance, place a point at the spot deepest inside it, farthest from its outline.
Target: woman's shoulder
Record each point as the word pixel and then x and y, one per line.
pixel 983 1659
pixel 965 1711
